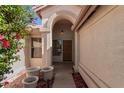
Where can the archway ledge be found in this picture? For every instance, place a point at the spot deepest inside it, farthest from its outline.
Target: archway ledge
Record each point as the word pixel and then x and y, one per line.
pixel 38 28
pixel 59 16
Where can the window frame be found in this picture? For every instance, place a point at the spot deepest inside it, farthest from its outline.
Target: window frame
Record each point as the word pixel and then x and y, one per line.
pixel 40 41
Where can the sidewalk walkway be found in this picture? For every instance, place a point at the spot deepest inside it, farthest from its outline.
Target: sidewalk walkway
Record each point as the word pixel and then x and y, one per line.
pixel 63 77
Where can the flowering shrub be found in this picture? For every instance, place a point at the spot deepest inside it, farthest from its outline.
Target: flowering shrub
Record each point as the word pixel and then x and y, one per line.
pixel 5 84
pixel 13 21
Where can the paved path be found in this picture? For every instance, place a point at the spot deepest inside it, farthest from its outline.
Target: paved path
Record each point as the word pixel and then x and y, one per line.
pixel 63 76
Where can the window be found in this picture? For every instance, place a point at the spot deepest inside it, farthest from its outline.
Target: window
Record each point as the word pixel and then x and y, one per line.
pixel 57 47
pixel 36 48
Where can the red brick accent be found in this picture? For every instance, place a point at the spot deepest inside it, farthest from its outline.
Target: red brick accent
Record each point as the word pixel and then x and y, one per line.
pixel 17 82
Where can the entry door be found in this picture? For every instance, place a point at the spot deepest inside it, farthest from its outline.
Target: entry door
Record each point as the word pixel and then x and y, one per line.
pixel 67 50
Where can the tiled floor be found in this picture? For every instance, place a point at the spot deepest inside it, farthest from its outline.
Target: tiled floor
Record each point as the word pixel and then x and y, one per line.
pixel 63 76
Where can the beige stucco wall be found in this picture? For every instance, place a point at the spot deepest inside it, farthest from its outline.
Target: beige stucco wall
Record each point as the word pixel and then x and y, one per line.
pixel 41 62
pixel 63 10
pixel 102 48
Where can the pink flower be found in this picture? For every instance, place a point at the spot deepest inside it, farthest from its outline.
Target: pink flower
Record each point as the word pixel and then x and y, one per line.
pixel 6 83
pixel 18 36
pixel 5 43
pixel 1 37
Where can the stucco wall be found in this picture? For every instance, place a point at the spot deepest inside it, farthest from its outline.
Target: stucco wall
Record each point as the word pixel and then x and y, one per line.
pixel 102 48
pixel 59 9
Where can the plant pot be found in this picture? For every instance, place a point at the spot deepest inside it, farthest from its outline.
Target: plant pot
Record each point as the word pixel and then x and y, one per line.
pixel 30 82
pixel 33 71
pixel 47 73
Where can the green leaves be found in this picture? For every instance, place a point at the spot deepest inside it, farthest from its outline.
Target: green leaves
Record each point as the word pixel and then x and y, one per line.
pixel 13 21
pixel 13 18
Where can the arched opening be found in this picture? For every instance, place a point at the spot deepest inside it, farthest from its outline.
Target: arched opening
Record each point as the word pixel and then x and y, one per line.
pixel 63 55
pixel 63 42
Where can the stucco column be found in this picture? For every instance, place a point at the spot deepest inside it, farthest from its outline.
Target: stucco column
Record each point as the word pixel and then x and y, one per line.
pixel 46 49
pixel 76 52
pixel 27 52
pixel 49 49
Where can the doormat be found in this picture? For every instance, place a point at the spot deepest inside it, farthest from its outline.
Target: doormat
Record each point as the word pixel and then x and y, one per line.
pixel 79 82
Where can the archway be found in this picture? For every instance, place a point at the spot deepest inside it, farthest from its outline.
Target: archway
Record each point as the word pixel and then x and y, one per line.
pixel 63 49
pixel 54 19
pixel 63 42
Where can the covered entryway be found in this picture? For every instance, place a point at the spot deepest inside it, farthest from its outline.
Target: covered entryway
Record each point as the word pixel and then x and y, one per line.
pixel 63 53
pixel 63 42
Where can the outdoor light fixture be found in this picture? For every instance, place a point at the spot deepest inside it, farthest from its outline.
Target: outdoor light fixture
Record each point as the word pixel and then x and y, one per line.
pixel 62 32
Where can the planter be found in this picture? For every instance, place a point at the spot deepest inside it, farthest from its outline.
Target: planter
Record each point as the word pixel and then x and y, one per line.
pixel 47 73
pixel 30 82
pixel 33 71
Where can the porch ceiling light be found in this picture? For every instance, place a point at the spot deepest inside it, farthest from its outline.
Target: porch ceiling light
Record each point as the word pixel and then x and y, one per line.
pixel 62 32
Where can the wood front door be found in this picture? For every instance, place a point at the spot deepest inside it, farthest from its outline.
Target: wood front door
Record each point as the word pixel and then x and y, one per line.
pixel 67 50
